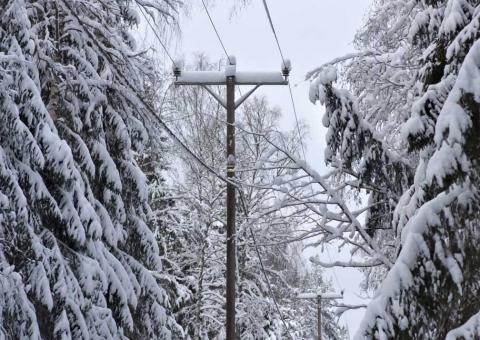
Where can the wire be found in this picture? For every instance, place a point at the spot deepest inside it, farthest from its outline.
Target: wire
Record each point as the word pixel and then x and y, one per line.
pixel 158 37
pixel 219 39
pixel 216 32
pixel 265 5
pixel 257 250
pixel 294 107
pixel 272 26
pixel 184 146
pixel 334 271
pixel 145 104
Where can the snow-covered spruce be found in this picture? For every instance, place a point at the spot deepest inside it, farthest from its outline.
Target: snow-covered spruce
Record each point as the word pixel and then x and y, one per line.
pixel 77 253
pixel 414 85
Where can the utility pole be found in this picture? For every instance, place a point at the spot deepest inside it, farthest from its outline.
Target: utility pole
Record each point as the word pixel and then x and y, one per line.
pixel 230 78
pixel 319 297
pixel 319 317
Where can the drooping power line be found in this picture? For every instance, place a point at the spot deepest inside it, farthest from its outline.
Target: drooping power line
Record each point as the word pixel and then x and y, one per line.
pixel 158 37
pixel 144 103
pixel 257 250
pixel 172 135
pixel 272 26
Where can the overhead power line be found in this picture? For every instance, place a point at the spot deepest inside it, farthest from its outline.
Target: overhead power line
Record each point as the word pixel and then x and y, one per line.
pixel 257 250
pixel 144 103
pixel 219 39
pixel 174 136
pixel 294 107
pixel 158 37
pixel 216 31
pixel 265 5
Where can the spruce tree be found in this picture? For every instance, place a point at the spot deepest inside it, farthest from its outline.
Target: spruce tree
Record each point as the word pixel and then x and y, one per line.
pixel 78 253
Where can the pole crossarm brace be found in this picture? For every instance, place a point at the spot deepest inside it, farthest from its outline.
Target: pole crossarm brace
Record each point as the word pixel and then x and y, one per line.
pixel 219 99
pixel 245 96
pixel 223 102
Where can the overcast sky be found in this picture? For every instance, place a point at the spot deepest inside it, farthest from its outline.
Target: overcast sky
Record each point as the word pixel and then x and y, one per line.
pixel 311 32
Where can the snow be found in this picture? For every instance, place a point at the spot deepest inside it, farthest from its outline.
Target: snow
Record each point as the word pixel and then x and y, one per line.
pixel 324 76
pixel 455 121
pixel 457 13
pixel 453 117
pixel 231 69
pixel 469 330
pixel 207 77
pixel 400 277
pixel 421 20
pixel 72 194
pixel 259 77
pixel 232 60
pixel 241 78
pixel 286 65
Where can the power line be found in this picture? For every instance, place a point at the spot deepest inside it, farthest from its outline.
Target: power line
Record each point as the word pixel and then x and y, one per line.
pixel 219 39
pixel 145 104
pixel 216 31
pixel 158 37
pixel 179 142
pixel 265 5
pixel 294 107
pixel 334 271
pixel 272 26
pixel 257 250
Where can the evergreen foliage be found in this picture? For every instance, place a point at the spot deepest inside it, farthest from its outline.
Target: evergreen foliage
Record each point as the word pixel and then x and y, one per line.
pixel 78 254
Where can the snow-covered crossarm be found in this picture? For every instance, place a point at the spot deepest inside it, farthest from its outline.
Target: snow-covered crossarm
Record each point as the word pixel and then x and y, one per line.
pixel 202 78
pixel 347 264
pixel 323 296
pixel 220 78
pixel 264 78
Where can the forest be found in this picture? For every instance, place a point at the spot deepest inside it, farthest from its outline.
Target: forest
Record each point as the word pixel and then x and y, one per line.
pixel 152 193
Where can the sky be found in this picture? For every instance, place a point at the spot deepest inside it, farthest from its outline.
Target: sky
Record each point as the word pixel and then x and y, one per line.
pixel 311 32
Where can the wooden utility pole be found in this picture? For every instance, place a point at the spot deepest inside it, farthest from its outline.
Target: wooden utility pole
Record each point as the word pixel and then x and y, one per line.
pixel 319 317
pixel 319 297
pixel 231 78
pixel 231 204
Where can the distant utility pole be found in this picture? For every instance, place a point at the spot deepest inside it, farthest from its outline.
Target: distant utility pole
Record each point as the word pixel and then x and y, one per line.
pixel 319 297
pixel 230 77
